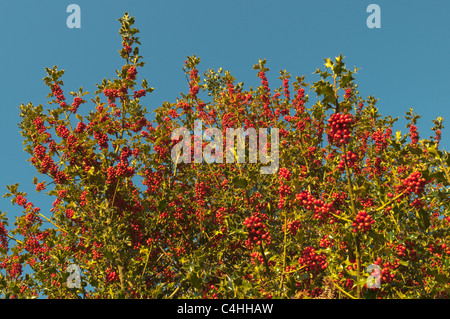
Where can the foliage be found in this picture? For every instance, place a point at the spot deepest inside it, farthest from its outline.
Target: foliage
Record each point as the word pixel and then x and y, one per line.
pixel 348 193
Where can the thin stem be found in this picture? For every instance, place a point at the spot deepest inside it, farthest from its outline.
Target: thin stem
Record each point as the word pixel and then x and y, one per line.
pixel 353 207
pixel 68 122
pixel 343 291
pixel 146 261
pixel 120 269
pixel 284 249
pixel 389 202
pixel 59 227
pixel 17 240
pixel 444 168
pixel 174 292
pixel 265 259
pixel 340 217
pixel 349 181
pixel 358 266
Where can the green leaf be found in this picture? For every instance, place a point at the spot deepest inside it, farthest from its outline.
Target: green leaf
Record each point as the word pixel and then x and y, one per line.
pixel 390 236
pixel 240 182
pixel 423 218
pixel 91 170
pixel 162 204
pixel 412 237
pixel 377 237
pixel 446 263
pixel 434 151
pixel 404 263
pixel 440 176
pixel 440 278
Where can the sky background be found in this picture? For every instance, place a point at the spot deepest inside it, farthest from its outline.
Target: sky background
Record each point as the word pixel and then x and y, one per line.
pixel 404 64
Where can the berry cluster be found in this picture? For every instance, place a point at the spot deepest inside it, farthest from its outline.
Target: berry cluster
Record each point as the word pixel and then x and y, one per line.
pixel 122 170
pixel 136 233
pixel 299 101
pixel 312 261
pixel 257 233
pixel 126 46
pixel 363 222
pixel 401 250
pixel 210 292
pixel 374 167
pixel 286 88
pixel 76 103
pixel 102 139
pixel 111 275
pixel 40 186
pixel 39 125
pixel 13 266
pixel 284 191
pixel 360 107
pixel 265 97
pixel 351 159
pixel 193 87
pixel 414 134
pixel 439 249
pixel 319 207
pixel 380 139
pixel 339 125
pixel 264 82
pixel 20 200
pixel 3 236
pixel 289 269
pixel 96 254
pixel 366 201
pixel 83 198
pixel 414 183
pixel 386 274
pixel 69 213
pixel 294 226
pixel 417 203
pixel 201 191
pixel 58 93
pixel 438 136
pixel 139 94
pixel 47 164
pixel 80 128
pixel 256 255
pixel 138 124
pixel 325 242
pixel 131 73
pixel 32 245
pixel 32 218
pixel 111 94
pixel 284 173
pixel 348 93
pixel 63 131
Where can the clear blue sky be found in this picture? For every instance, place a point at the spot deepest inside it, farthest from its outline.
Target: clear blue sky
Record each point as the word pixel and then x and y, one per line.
pixel 405 63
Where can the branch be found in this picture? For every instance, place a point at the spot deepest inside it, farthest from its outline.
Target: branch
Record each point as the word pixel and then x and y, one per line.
pixel 343 291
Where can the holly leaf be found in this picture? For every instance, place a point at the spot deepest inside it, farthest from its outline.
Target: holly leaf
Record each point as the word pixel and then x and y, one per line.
pixel 240 182
pixel 328 63
pixel 376 236
pixel 423 218
pixel 390 236
pixel 440 176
